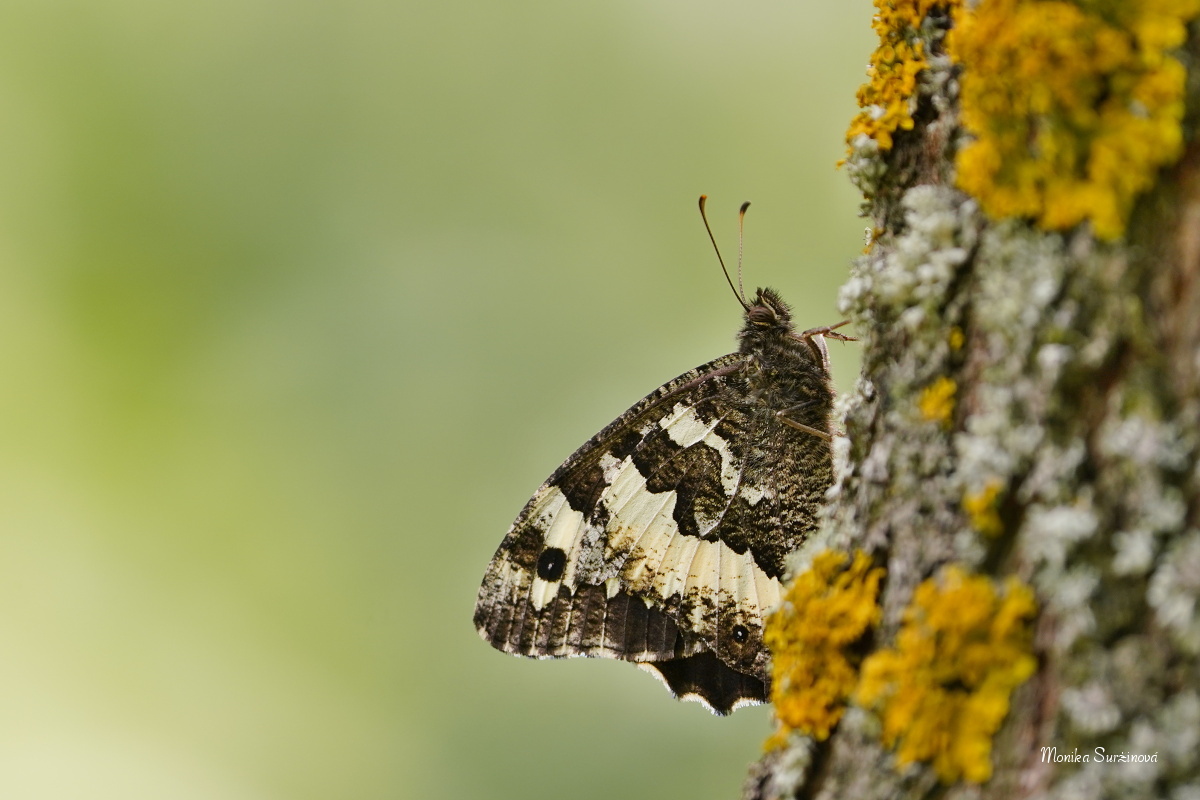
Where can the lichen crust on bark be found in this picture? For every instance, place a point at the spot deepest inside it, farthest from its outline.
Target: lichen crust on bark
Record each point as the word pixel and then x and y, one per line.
pixel 1026 424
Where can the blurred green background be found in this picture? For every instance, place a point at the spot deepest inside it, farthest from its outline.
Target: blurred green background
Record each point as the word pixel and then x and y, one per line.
pixel 299 302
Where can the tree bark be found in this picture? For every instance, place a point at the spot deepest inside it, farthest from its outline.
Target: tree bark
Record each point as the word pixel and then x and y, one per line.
pixel 1027 419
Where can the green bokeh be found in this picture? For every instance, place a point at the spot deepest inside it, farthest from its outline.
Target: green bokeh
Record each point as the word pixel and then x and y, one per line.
pixel 299 302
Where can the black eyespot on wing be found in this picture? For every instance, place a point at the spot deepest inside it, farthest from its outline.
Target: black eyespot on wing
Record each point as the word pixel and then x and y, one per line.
pixel 740 633
pixel 551 563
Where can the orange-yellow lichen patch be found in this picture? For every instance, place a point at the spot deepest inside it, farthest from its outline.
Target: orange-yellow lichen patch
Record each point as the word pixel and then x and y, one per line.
pixel 1074 106
pixel 937 401
pixel 888 99
pixel 981 508
pixel 943 689
pixel 825 612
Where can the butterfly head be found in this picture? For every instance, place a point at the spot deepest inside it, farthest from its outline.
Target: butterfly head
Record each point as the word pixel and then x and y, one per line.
pixel 768 335
pixel 768 311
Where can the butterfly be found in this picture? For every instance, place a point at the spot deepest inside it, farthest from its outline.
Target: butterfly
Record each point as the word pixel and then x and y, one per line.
pixel 662 540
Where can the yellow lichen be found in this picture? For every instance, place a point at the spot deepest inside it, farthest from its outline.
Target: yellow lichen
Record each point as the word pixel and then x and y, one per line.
pixel 981 508
pixel 944 689
pixel 825 612
pixel 1074 106
pixel 937 400
pixel 888 99
pixel 957 338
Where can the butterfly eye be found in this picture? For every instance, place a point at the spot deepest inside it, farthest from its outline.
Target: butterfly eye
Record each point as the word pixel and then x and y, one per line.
pixel 551 563
pixel 762 315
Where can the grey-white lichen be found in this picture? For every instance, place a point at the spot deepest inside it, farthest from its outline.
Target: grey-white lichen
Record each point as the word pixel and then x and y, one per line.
pixel 1091 707
pixel 1174 589
pixel 915 272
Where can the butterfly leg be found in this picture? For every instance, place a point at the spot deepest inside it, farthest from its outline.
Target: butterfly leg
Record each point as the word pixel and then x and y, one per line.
pixel 828 331
pixel 783 417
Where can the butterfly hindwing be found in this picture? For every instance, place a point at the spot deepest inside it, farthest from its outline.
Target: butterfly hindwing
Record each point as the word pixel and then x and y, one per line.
pixel 662 539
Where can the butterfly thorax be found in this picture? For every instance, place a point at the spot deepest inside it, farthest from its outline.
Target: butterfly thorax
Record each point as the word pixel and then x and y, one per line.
pixel 786 373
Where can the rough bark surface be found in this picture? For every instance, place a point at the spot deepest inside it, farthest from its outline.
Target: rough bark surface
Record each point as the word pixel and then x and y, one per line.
pixel 1075 404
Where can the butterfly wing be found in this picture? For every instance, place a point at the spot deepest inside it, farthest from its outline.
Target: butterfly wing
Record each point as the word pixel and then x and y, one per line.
pixel 660 541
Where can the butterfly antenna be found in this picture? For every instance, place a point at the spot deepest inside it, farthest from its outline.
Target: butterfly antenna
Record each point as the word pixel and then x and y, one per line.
pixel 713 239
pixel 741 230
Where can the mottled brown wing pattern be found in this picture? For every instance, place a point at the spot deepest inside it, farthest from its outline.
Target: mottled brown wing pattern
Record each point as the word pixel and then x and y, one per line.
pixel 662 540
